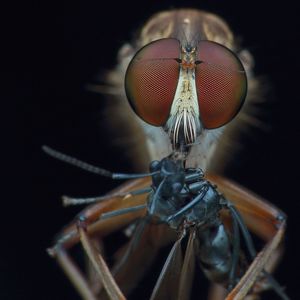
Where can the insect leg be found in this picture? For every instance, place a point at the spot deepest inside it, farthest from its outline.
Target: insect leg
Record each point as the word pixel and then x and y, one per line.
pixel 235 254
pixel 264 220
pixel 252 251
pixel 255 269
pixel 99 264
pixel 96 228
pixel 67 201
pixel 122 211
pixel 239 220
pixel 73 273
pixel 190 205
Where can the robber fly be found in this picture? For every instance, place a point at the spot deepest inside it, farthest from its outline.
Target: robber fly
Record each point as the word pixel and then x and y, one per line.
pixel 185 85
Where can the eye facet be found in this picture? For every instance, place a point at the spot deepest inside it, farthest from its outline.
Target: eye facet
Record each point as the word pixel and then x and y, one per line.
pixel 151 80
pixel 221 84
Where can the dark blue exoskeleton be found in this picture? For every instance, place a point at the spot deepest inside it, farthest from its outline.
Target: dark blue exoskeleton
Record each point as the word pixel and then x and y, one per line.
pixel 183 198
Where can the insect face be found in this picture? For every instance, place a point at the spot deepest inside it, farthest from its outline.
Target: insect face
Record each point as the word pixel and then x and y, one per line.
pixel 185 89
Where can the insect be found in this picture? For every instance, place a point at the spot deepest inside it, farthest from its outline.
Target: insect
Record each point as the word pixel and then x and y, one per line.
pixel 187 83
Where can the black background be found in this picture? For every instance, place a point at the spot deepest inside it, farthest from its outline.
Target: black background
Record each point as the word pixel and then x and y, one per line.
pixel 62 46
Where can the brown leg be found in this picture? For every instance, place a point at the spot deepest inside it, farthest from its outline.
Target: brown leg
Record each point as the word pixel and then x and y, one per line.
pixel 99 264
pixel 92 276
pixel 261 217
pixel 74 274
pixel 69 235
pixel 265 221
pixel 154 238
pixel 256 267
pixel 97 228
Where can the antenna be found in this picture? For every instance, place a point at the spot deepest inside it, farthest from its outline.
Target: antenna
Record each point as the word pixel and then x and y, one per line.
pixel 90 168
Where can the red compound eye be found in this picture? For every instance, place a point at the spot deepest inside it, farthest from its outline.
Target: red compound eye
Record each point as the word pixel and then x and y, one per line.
pixel 151 80
pixel 221 84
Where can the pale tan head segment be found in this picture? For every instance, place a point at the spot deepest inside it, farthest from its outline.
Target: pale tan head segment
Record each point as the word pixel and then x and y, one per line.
pixel 186 24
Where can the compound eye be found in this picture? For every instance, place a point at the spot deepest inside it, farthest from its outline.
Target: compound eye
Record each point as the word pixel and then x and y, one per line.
pixel 151 80
pixel 221 84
